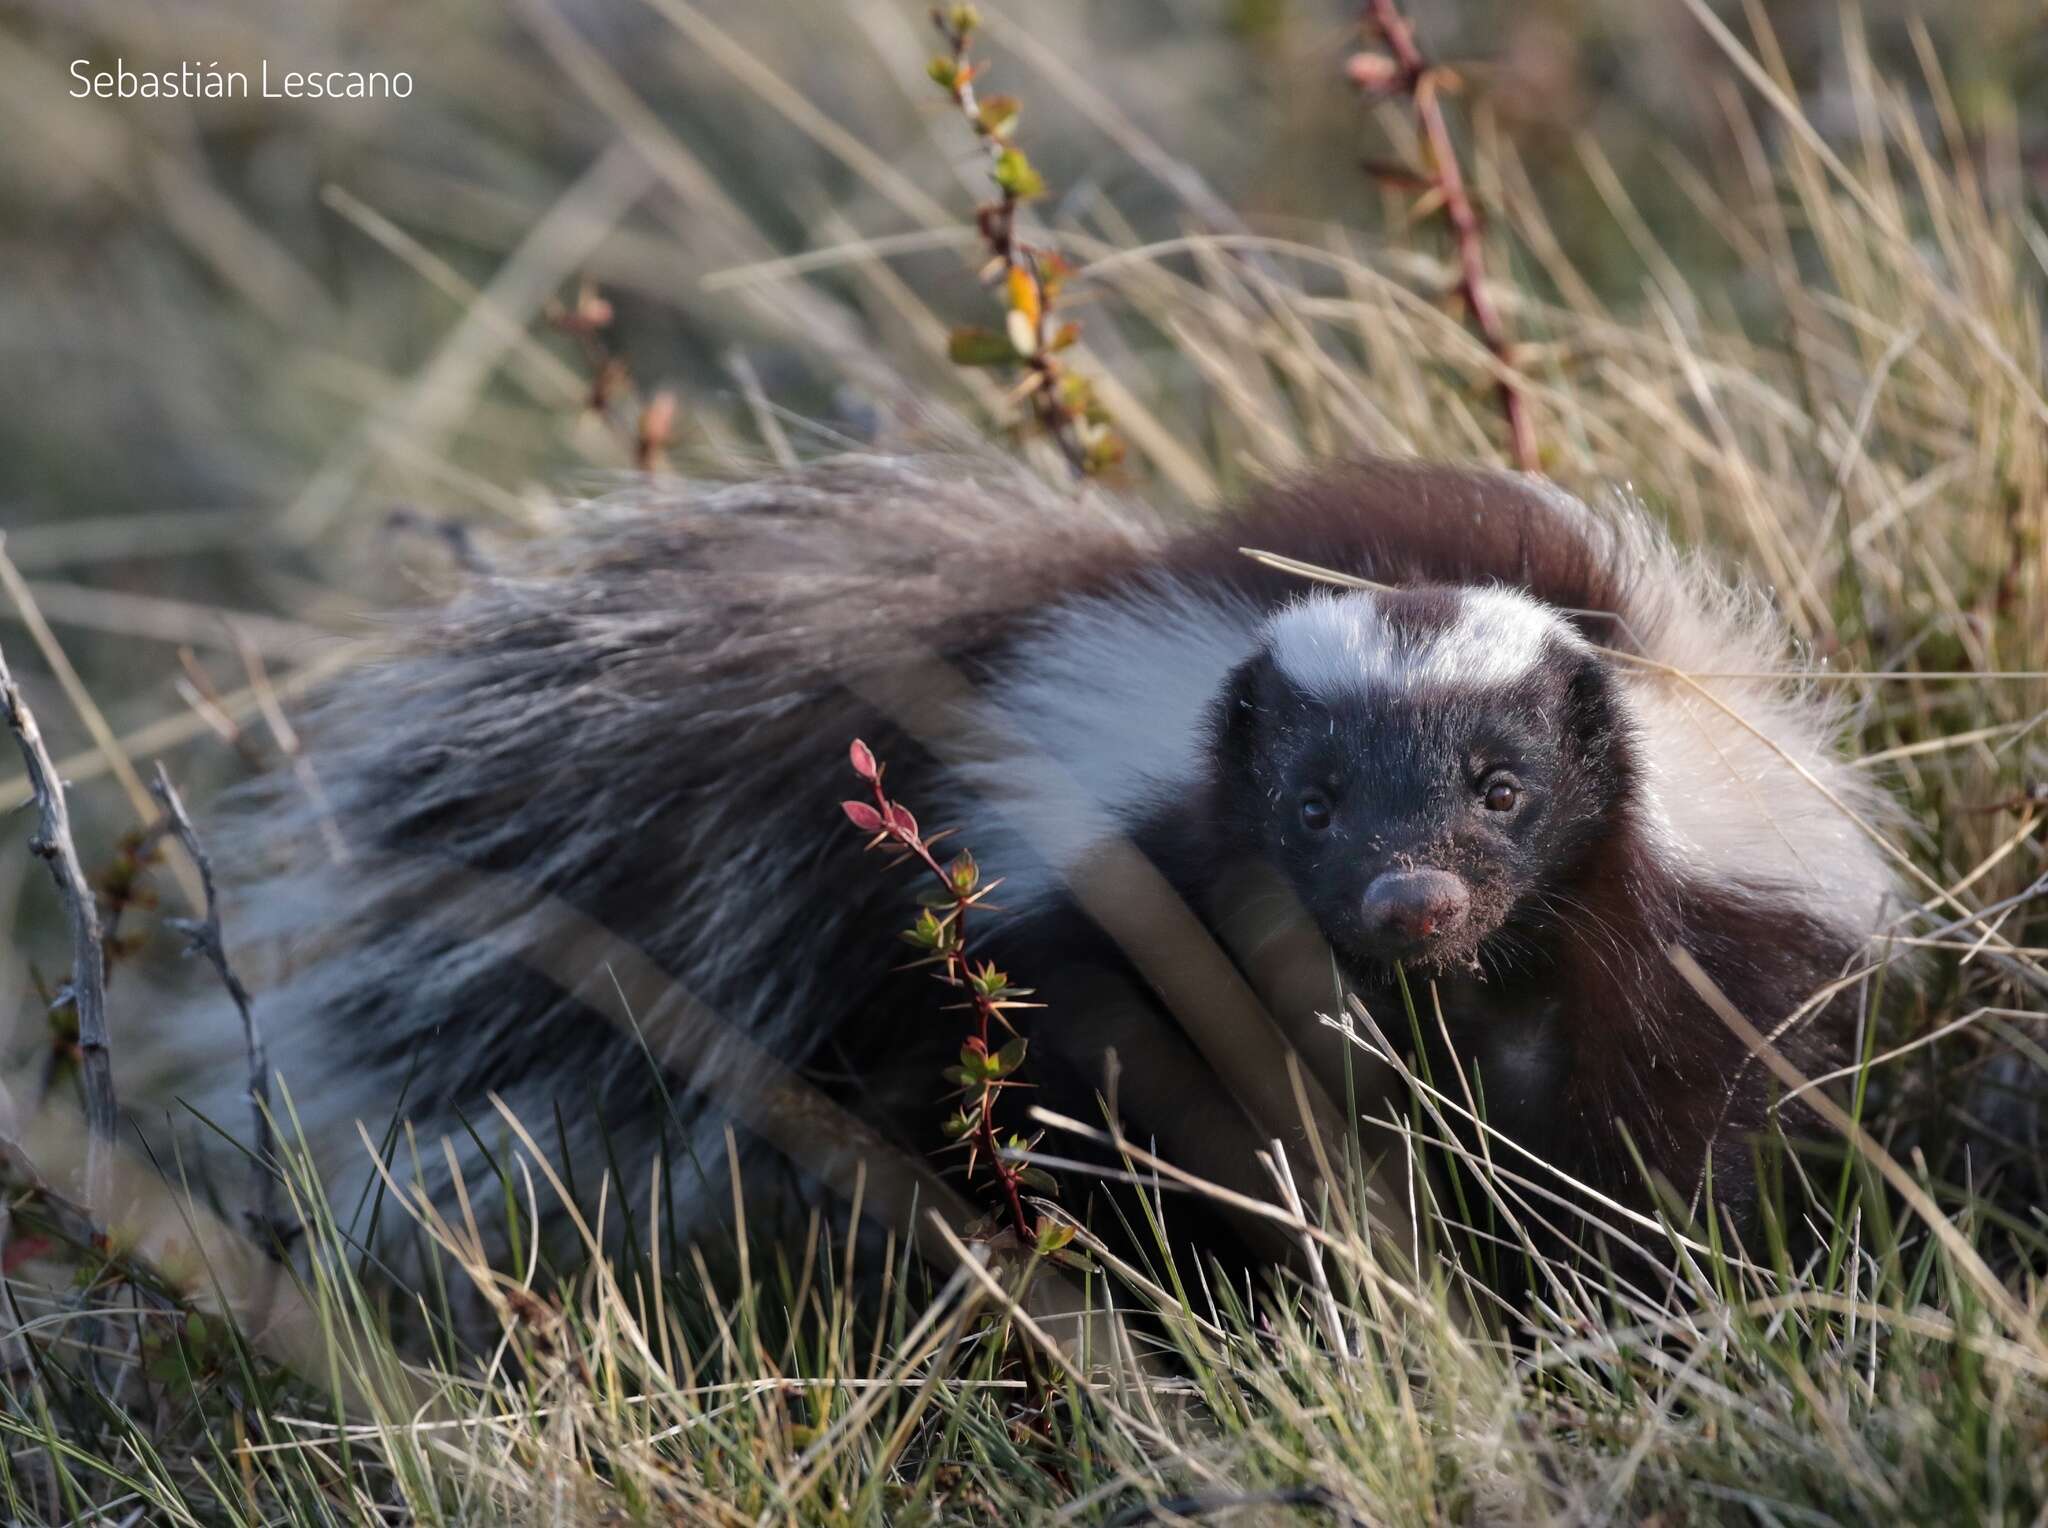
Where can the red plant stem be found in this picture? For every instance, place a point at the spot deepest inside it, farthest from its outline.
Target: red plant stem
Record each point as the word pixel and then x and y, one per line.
pixel 1418 82
pixel 956 975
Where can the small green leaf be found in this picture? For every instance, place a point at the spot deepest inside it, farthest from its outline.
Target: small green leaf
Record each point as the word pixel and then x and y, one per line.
pixel 976 1065
pixel 928 933
pixel 963 873
pixel 1052 1235
pixel 979 347
pixel 1008 1059
pixel 1014 173
pixel 1105 453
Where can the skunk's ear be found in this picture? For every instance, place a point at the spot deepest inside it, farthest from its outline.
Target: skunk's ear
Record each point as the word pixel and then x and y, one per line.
pixel 1239 707
pixel 1593 706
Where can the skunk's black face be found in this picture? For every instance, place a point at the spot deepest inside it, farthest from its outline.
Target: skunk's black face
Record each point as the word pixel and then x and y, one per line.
pixel 1422 765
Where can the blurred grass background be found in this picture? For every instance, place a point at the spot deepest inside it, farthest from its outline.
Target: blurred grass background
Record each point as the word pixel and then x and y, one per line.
pixel 205 305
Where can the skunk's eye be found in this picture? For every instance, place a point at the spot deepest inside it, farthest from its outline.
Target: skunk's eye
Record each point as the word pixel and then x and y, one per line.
pixel 1501 794
pixel 1315 811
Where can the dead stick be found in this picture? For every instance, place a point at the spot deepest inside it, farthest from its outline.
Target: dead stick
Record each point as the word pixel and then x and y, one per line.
pixel 1421 82
pixel 207 940
pixel 54 846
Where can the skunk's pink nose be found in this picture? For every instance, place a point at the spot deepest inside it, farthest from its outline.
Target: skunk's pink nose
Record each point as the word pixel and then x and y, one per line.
pixel 1413 906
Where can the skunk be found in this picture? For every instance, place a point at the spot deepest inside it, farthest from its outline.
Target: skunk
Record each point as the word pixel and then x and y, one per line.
pixel 596 866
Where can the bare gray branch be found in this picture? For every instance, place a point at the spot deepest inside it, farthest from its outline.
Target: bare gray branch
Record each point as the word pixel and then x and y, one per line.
pixel 205 933
pixel 88 987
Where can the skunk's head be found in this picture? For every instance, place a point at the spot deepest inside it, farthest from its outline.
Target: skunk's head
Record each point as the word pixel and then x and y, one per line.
pixel 1422 765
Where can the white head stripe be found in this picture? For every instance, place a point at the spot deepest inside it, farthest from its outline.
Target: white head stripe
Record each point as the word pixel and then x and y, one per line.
pixel 1334 643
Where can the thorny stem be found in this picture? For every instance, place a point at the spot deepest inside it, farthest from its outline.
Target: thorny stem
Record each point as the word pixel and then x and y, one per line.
pixel 890 822
pixel 1074 425
pixel 1423 82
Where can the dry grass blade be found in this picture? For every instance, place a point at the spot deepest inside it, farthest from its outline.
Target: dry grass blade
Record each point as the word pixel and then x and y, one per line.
pixel 2023 1325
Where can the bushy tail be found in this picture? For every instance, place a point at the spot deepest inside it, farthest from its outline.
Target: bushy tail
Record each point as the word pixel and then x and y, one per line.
pixel 628 743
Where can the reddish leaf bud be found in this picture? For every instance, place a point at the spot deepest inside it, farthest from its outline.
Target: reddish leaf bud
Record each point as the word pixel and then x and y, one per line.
pixel 658 419
pixel 862 816
pixel 1371 71
pixel 593 310
pixel 864 761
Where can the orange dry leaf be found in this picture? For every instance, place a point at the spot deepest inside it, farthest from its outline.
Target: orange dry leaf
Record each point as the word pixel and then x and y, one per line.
pixel 1024 294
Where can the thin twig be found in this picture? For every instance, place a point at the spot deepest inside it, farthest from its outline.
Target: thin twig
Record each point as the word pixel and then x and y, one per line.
pixel 646 427
pixel 88 990
pixel 1063 403
pixel 1409 73
pixel 205 934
